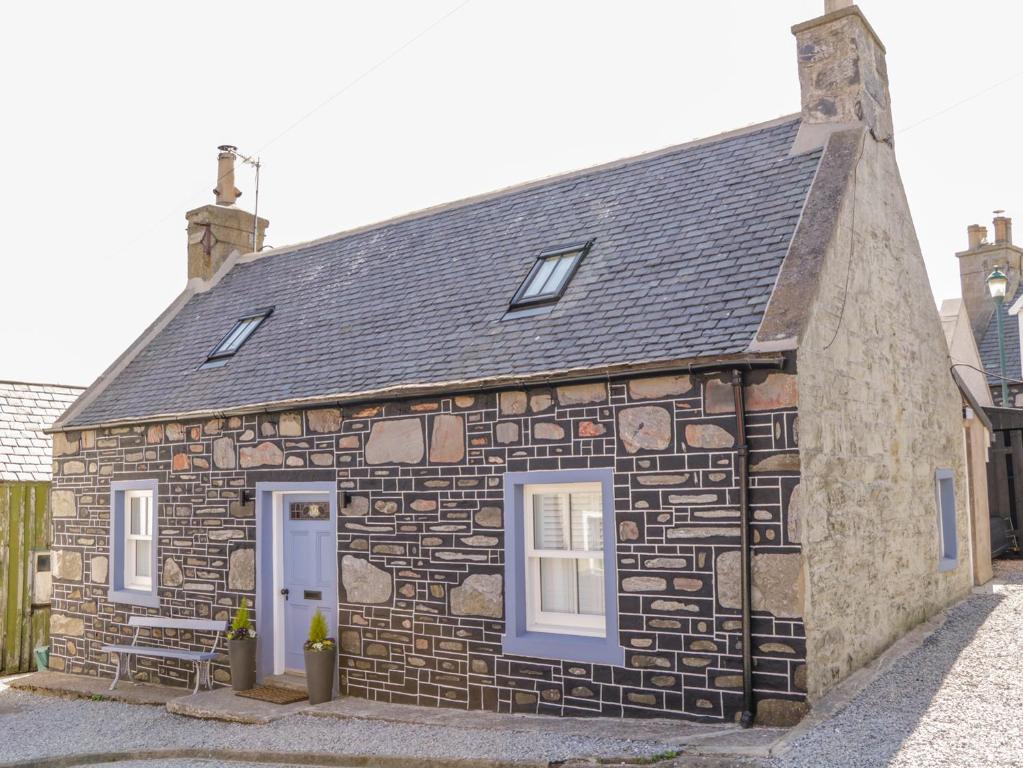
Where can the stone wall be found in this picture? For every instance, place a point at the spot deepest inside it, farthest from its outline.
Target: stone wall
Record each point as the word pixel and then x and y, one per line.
pixel 420 541
pixel 879 413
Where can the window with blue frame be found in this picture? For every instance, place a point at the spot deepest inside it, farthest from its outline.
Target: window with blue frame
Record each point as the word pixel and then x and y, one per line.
pixel 948 537
pixel 561 579
pixel 133 537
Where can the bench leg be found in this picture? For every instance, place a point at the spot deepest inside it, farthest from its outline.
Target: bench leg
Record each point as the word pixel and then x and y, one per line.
pixel 198 677
pixel 117 674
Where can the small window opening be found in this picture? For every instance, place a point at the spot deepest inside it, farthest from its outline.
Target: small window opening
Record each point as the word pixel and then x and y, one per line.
pixel 550 275
pixel 237 336
pixel 948 545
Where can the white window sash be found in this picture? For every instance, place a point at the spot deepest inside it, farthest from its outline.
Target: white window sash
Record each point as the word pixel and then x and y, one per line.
pixel 131 578
pixel 538 620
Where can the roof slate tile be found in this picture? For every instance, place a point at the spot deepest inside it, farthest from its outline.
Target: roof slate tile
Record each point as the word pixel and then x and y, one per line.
pixel 25 410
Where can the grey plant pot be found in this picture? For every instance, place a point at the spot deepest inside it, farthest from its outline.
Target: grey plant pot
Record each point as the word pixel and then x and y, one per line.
pixel 319 674
pixel 243 663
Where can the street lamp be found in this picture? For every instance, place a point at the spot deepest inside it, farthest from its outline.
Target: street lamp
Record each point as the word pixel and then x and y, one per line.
pixel 997 283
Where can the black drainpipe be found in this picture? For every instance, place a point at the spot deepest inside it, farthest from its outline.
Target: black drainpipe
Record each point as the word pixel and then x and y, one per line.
pixel 745 557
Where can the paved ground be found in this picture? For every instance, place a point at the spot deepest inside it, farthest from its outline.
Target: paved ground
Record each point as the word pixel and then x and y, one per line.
pixel 184 763
pixel 35 726
pixel 955 701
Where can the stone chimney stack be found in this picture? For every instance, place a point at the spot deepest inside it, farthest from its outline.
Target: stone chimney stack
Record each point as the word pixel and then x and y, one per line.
pixel 843 77
pixel 215 232
pixel 978 261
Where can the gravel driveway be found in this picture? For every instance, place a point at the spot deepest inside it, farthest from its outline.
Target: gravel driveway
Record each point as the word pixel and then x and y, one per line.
pixel 33 725
pixel 955 701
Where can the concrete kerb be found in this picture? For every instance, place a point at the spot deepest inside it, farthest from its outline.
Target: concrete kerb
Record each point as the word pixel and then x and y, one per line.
pixel 273 758
pixel 331 760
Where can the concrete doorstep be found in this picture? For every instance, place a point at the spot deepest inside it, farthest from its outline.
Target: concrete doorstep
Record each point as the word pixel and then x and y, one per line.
pixel 223 704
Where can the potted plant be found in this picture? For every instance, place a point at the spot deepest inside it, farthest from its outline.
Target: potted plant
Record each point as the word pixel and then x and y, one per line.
pixel 320 661
pixel 241 647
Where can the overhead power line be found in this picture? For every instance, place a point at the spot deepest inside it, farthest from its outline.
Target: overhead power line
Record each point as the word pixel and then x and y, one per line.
pixel 346 87
pixel 959 103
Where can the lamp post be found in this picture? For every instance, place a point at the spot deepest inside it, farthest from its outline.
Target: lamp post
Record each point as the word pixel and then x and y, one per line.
pixel 997 282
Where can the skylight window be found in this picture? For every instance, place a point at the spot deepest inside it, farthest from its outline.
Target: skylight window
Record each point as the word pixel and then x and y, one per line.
pixel 550 275
pixel 237 336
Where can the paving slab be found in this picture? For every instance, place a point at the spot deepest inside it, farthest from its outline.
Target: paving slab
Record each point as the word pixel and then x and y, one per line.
pixel 96 688
pixel 223 704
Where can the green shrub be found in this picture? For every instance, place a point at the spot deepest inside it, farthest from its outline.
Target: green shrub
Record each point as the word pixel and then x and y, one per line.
pixel 318 629
pixel 241 627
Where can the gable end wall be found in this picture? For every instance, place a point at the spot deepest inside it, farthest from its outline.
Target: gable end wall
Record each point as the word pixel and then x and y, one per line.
pixel 879 413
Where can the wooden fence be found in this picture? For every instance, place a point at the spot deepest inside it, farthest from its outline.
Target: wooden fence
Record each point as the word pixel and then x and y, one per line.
pixel 24 530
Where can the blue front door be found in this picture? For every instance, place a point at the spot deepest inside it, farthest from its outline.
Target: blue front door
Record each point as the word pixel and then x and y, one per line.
pixel 309 571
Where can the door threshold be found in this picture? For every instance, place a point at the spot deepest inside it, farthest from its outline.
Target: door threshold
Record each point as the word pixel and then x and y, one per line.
pixel 291 680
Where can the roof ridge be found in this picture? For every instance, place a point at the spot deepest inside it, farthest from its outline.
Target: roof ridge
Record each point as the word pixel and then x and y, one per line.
pixel 517 187
pixel 39 384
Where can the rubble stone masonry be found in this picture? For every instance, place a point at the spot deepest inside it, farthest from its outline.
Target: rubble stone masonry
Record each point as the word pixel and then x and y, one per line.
pixel 421 540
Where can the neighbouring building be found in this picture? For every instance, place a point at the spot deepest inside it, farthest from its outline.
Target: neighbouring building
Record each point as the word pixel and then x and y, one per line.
pixel 523 447
pixel 26 410
pixel 976 263
pixel 978 430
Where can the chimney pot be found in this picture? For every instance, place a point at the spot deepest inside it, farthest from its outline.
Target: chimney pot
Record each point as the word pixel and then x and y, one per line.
pixel 225 191
pixel 977 236
pixel 1003 228
pixel 830 6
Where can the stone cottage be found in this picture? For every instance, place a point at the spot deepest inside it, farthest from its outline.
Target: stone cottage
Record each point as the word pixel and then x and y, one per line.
pixel 672 436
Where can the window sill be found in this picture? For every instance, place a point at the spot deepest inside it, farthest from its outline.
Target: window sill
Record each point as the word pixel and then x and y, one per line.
pixel 134 597
pixel 550 645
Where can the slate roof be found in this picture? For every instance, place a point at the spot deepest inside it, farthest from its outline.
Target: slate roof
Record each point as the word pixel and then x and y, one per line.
pixel 25 410
pixel 988 346
pixel 688 243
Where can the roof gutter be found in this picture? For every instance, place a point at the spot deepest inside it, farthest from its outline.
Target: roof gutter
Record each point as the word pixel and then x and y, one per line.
pixel 570 376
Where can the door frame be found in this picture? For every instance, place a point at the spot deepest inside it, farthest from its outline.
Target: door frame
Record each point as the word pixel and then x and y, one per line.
pixel 270 561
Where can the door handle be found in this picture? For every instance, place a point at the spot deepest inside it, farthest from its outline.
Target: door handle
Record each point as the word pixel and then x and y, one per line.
pixel 285 591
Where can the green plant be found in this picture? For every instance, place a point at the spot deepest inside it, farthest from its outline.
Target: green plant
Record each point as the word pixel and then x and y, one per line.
pixel 669 754
pixel 241 627
pixel 318 640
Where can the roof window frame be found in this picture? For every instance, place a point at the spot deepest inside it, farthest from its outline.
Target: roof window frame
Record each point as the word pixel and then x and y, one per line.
pixel 519 300
pixel 218 356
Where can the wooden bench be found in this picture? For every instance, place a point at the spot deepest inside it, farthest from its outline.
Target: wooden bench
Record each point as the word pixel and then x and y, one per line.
pixel 201 659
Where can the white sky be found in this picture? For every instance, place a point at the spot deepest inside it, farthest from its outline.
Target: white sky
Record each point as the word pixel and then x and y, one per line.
pixel 112 113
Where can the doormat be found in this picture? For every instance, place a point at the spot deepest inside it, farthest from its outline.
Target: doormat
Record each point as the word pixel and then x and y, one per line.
pixel 274 694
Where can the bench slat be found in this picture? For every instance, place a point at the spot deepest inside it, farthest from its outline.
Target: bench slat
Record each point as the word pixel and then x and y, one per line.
pixel 162 622
pixel 167 653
